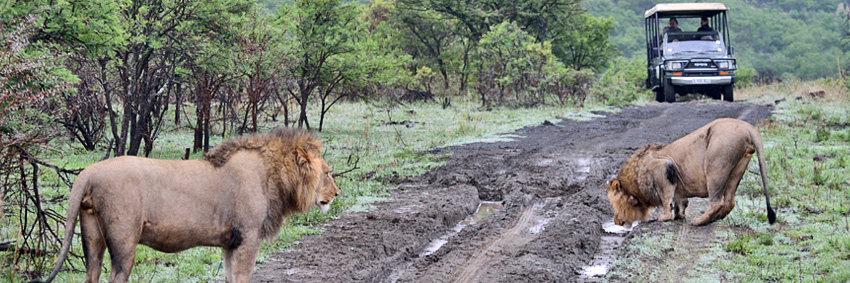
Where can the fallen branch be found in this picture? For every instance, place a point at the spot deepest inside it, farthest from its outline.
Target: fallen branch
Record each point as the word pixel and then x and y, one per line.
pixel 356 160
pixel 11 247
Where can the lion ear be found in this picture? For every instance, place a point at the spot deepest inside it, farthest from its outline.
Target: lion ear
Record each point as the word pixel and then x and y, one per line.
pixel 302 158
pixel 615 185
pixel 633 201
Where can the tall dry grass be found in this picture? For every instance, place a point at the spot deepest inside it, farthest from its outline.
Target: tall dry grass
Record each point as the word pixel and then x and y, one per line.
pixel 826 90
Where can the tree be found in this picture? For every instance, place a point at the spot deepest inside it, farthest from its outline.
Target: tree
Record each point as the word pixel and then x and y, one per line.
pixel 265 56
pixel 578 40
pixel 320 30
pixel 428 37
pixel 502 53
pixel 373 64
pixel 584 44
pixel 510 61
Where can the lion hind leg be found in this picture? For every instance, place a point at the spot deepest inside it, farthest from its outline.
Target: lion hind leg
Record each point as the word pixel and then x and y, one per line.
pixel 711 213
pixel 720 206
pixel 121 240
pixel 94 244
pixel 732 186
pixel 123 257
pixel 716 200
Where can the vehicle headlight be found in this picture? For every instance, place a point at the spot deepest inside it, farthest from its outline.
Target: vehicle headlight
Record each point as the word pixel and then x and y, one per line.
pixel 676 65
pixel 725 64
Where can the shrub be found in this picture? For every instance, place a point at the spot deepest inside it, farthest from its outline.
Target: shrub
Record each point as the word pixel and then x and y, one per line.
pixel 622 83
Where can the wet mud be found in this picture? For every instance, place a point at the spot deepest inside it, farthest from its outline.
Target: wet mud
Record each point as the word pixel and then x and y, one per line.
pixel 545 193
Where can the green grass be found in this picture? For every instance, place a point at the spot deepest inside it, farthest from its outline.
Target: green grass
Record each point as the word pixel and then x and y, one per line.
pixel 353 131
pixel 808 161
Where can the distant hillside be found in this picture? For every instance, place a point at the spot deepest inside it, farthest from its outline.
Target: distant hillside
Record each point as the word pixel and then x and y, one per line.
pixel 801 38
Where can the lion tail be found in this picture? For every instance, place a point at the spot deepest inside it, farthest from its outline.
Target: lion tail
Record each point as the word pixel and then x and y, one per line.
pixel 75 200
pixel 756 137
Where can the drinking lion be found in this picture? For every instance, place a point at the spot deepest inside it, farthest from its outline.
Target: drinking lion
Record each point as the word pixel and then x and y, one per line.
pixel 237 196
pixel 706 163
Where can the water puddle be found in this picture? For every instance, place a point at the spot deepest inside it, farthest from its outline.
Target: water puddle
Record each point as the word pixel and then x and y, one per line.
pixel 485 208
pixel 612 228
pixel 582 168
pixel 608 245
pixel 540 226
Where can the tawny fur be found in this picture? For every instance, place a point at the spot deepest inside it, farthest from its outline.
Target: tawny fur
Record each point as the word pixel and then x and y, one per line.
pixel 286 194
pixel 708 162
pixel 240 194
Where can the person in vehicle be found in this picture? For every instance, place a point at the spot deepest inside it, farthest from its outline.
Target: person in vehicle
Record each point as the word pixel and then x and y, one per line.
pixel 673 25
pixel 704 25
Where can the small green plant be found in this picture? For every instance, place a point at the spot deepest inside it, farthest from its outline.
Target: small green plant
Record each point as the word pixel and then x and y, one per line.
pixel 822 134
pixel 739 246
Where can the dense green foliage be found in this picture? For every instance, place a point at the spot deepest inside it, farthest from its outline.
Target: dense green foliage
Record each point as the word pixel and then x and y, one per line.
pixel 789 38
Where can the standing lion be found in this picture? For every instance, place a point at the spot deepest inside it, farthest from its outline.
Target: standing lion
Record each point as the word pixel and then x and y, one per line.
pixel 706 163
pixel 239 195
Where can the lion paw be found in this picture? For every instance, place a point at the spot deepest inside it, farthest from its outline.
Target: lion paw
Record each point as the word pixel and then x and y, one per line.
pixel 665 217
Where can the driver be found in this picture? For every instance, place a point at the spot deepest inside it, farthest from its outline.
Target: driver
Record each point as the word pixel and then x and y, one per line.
pixel 704 25
pixel 673 26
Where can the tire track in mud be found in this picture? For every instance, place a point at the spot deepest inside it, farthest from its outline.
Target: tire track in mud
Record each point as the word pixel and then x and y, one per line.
pixel 517 236
pixel 551 182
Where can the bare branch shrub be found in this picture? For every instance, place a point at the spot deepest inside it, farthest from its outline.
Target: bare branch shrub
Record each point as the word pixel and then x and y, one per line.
pixel 31 84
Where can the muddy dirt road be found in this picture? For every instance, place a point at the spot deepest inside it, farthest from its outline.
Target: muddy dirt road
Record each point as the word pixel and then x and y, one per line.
pixel 546 192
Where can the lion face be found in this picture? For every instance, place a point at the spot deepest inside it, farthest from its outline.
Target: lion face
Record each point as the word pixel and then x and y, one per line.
pixel 627 208
pixel 327 190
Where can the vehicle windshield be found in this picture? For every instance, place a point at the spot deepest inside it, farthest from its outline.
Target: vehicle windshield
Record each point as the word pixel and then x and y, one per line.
pixel 681 43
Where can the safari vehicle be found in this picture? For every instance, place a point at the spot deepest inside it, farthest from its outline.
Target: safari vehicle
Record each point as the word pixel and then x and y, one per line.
pixel 689 61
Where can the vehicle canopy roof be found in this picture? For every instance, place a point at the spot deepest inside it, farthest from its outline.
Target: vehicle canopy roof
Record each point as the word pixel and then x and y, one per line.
pixel 681 9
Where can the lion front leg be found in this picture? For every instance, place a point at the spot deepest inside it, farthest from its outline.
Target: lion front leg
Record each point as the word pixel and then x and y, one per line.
pixel 681 204
pixel 667 215
pixel 242 260
pixel 226 254
pixel 665 186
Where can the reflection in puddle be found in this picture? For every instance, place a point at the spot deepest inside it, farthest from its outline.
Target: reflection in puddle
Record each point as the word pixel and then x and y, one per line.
pixel 608 245
pixel 599 265
pixel 485 208
pixel 612 228
pixel 595 271
pixel 541 224
pixel 582 168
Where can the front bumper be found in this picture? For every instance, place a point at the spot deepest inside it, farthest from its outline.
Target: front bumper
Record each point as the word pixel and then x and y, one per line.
pixel 689 81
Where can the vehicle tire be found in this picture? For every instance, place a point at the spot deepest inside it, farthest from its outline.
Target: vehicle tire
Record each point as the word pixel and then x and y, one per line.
pixel 669 92
pixel 728 93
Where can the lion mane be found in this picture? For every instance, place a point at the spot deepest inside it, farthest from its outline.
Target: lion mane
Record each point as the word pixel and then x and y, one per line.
pixel 288 191
pixel 708 162
pixel 638 194
pixel 237 196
